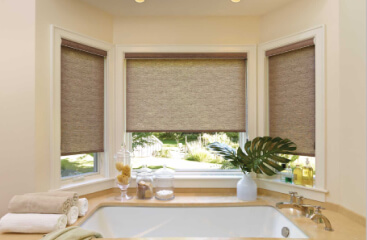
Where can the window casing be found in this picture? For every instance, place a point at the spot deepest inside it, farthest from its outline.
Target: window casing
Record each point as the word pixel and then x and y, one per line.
pixel 251 85
pixel 55 154
pixel 317 33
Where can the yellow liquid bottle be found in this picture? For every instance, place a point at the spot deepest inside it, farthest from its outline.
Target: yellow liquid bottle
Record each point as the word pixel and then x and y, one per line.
pixel 297 175
pixel 307 174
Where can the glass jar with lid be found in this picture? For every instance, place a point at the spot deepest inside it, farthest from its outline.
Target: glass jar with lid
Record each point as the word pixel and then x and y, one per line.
pixel 164 188
pixel 144 183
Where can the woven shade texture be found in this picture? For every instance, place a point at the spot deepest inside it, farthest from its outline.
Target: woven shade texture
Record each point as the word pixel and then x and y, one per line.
pixel 186 95
pixel 82 102
pixel 292 98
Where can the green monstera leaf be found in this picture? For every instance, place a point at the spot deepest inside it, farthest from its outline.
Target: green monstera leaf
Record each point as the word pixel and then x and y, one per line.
pixel 261 155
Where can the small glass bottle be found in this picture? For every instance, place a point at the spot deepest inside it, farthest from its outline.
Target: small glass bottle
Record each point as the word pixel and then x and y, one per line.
pixel 288 175
pixel 307 174
pixel 297 175
pixel 144 182
pixel 164 189
pixel 283 173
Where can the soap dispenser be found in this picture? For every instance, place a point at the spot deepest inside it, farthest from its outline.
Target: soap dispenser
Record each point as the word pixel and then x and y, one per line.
pixel 297 175
pixel 288 175
pixel 307 174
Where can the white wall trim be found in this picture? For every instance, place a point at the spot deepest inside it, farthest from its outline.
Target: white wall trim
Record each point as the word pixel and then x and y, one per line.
pixel 57 34
pixel 318 33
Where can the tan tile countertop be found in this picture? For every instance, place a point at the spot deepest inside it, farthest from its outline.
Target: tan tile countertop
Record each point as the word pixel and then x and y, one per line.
pixel 347 226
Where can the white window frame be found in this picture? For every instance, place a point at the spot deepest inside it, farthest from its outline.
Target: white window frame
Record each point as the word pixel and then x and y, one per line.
pixel 121 134
pixel 318 33
pixel 104 168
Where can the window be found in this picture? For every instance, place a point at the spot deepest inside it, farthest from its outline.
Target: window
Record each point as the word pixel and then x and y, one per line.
pixel 79 164
pixel 292 94
pixel 178 103
pixel 181 151
pixel 82 108
pixel 292 97
pixel 295 108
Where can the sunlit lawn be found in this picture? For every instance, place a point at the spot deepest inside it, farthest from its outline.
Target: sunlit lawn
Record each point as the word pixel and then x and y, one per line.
pixel 76 164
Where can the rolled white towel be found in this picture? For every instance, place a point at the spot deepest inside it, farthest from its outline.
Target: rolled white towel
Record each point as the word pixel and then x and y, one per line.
pixel 72 215
pixel 83 206
pixel 32 222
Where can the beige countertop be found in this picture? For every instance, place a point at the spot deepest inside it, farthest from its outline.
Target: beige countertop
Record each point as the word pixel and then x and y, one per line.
pixel 347 226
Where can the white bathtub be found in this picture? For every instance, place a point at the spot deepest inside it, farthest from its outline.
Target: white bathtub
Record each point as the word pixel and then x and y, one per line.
pixel 211 222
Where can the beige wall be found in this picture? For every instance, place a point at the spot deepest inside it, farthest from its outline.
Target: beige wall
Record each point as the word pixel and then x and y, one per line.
pixel 186 30
pixel 345 88
pixel 75 16
pixel 353 104
pixel 17 99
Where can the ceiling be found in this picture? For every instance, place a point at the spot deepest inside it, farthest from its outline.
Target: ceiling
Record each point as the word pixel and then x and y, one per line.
pixel 187 7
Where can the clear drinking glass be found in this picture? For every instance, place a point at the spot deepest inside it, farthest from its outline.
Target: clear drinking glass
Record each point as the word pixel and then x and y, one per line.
pixel 123 168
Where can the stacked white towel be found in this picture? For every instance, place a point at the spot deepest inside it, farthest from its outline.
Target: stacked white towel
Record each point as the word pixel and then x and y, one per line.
pixel 73 215
pixel 83 206
pixel 32 222
pixel 42 212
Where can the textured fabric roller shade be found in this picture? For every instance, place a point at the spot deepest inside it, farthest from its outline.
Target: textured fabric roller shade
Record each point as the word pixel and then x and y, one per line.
pixel 292 98
pixel 186 95
pixel 82 102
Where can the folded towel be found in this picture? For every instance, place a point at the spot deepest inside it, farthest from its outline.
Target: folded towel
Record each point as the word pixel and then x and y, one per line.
pixel 72 195
pixel 83 206
pixel 39 204
pixel 32 222
pixel 72 215
pixel 75 233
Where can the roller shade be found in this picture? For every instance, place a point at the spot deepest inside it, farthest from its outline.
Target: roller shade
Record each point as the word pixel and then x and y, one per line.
pixel 82 101
pixel 292 97
pixel 186 95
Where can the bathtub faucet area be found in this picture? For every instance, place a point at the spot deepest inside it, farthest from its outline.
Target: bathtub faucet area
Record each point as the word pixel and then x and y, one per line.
pixel 307 210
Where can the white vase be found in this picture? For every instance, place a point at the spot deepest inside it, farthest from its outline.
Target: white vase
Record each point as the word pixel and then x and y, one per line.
pixel 246 188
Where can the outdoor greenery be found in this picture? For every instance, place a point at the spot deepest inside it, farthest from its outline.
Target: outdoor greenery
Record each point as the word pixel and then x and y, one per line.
pixel 171 142
pixel 73 166
pixel 193 145
pixel 164 153
pixel 200 156
pixel 140 139
pixel 261 155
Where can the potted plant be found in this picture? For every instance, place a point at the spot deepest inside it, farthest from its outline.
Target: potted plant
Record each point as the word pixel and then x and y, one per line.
pixel 261 156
